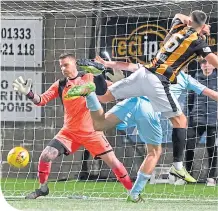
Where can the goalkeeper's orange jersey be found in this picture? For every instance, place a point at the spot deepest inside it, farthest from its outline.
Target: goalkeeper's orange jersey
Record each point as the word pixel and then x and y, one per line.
pixel 77 118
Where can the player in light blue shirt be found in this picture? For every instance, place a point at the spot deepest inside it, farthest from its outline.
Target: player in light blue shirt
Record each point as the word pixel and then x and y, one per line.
pixel 139 112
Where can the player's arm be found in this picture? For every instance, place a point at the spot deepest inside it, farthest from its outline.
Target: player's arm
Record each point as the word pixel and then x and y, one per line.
pixel 178 20
pixel 20 86
pixel 212 59
pixel 118 64
pixel 199 88
pixel 210 93
pixel 183 18
pixel 202 49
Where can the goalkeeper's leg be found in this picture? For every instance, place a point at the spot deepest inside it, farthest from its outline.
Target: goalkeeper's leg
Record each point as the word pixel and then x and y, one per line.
pixel 99 147
pixel 118 169
pixel 50 153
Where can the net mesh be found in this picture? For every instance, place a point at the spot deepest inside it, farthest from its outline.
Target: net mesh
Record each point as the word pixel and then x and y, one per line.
pixel 87 28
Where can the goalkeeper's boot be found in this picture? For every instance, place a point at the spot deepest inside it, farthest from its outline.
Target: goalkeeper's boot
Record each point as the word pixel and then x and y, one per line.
pixel 182 174
pixel 135 200
pixel 89 66
pixel 35 194
pixel 80 90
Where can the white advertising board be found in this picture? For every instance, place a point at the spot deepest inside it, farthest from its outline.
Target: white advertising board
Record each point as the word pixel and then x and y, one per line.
pixel 21 41
pixel 15 106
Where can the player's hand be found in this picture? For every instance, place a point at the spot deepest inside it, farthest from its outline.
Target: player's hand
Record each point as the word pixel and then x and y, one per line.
pixel 100 60
pixel 205 30
pixel 21 86
pixel 188 21
pixel 117 76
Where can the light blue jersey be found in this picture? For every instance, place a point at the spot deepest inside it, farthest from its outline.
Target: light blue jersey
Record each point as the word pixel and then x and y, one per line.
pixel 138 111
pixel 185 81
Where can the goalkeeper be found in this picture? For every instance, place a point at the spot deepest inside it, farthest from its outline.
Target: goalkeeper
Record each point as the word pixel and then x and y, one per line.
pixel 138 112
pixel 77 129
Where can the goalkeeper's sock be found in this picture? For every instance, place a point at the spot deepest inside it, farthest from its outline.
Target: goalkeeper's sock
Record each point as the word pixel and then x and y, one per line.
pixel 92 102
pixel 122 175
pixel 139 184
pixel 44 169
pixel 178 139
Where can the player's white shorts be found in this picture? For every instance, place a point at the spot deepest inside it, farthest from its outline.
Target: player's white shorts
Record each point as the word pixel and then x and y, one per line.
pixel 154 86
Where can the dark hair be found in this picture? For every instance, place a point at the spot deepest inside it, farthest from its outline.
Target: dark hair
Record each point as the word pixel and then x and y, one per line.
pixel 65 55
pixel 199 17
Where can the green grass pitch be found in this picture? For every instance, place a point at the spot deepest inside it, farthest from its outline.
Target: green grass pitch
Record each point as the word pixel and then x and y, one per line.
pixel 102 196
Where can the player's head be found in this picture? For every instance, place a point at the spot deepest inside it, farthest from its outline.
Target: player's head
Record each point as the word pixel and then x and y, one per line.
pixel 67 63
pixel 206 67
pixel 198 19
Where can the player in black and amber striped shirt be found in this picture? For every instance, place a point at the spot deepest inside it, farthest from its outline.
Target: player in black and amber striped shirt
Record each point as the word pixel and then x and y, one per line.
pixel 182 45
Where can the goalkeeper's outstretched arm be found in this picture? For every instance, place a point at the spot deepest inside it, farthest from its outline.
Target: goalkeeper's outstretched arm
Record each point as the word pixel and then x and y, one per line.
pixel 24 88
pixel 19 85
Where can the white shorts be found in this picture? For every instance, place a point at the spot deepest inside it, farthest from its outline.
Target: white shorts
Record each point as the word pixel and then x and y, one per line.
pixel 154 86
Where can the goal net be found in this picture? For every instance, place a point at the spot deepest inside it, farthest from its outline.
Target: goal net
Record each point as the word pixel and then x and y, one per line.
pixel 34 34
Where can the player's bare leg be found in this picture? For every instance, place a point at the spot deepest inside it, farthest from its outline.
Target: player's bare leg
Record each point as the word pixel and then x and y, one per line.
pixel 153 155
pixel 102 121
pixel 178 139
pixel 145 171
pixel 118 169
pixel 44 168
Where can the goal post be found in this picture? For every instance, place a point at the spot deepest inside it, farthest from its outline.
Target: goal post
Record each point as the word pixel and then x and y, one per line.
pixel 34 34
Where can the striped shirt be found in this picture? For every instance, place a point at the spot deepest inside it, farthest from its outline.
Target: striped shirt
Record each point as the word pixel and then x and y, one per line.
pixel 184 45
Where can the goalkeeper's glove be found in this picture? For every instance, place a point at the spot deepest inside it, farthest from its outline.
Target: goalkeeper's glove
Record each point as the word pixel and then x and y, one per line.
pixel 117 76
pixel 90 67
pixel 23 87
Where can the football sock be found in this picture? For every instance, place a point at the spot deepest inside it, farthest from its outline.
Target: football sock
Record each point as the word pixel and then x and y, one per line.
pixel 44 169
pixel 100 84
pixel 178 165
pixel 122 175
pixel 139 184
pixel 178 139
pixel 92 102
